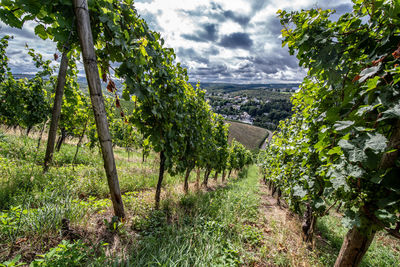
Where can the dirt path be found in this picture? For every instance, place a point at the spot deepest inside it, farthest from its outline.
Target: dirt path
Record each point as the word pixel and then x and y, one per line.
pixel 267 140
pixel 282 244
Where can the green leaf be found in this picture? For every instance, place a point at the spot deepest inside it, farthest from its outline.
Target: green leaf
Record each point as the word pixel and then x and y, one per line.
pixel 338 181
pixel 335 150
pixel 351 219
pixel 376 142
pixel 10 19
pixel 345 144
pixel 388 201
pixel 299 191
pixel 372 83
pixel 40 31
pixel 393 112
pixel 143 51
pixel 341 125
pixel 319 204
pixel 384 215
pixel 369 72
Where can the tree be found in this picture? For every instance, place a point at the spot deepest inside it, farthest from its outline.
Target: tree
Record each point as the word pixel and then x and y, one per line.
pixel 196 118
pixel 25 102
pixel 220 134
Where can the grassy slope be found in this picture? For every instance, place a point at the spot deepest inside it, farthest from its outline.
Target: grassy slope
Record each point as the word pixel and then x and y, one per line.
pixel 234 225
pixel 209 229
pixel 250 136
pixel 33 204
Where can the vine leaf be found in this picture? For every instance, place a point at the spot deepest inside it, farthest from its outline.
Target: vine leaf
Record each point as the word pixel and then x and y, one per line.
pixel 40 31
pixel 341 125
pixel 376 142
pixel 369 72
pixel 392 113
pixel 299 191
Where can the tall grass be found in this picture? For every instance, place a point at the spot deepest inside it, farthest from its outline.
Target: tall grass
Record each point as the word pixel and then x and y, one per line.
pixel 207 229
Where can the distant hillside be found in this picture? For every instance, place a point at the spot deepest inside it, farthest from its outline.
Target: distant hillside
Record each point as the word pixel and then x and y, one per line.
pixel 250 136
pixel 232 87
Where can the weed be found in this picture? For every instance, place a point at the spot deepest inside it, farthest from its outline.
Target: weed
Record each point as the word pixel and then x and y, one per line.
pixel 72 254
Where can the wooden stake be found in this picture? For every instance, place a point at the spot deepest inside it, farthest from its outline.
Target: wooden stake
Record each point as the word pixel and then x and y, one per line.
pixel 62 73
pixel 96 96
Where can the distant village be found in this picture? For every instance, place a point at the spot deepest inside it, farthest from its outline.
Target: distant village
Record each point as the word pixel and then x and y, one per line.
pixel 234 103
pixel 255 108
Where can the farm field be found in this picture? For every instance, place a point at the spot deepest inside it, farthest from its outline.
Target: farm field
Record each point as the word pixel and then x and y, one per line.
pixel 64 217
pixel 138 166
pixel 252 137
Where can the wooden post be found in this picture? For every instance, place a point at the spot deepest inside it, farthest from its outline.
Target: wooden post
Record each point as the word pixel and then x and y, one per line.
pixel 79 143
pixel 41 134
pixel 62 73
pixel 96 96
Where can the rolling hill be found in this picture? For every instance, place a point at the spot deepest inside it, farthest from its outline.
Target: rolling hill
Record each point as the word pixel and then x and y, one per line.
pixel 252 137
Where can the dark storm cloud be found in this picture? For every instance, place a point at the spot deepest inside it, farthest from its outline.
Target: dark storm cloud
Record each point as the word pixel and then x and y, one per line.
pixel 279 57
pixel 236 40
pixel 274 26
pixel 191 54
pixel 212 69
pixel 219 14
pixel 212 51
pixel 240 19
pixel 257 5
pixel 247 69
pixel 272 62
pixel 209 32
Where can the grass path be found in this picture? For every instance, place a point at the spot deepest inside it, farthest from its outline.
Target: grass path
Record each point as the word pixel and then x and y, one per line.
pixel 206 228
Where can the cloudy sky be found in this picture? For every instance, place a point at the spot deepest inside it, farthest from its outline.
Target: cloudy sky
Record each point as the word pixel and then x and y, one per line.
pixel 217 40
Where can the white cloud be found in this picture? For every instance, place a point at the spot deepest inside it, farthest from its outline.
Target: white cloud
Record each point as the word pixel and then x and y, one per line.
pixel 196 28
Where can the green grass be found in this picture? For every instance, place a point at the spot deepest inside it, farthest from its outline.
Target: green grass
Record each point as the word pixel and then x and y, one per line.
pixel 32 204
pixel 215 228
pixel 21 171
pixel 208 229
pixel 382 252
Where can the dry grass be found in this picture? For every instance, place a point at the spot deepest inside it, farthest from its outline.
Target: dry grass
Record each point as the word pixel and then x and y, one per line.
pixel 282 243
pixel 140 205
pixel 94 228
pixel 250 136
